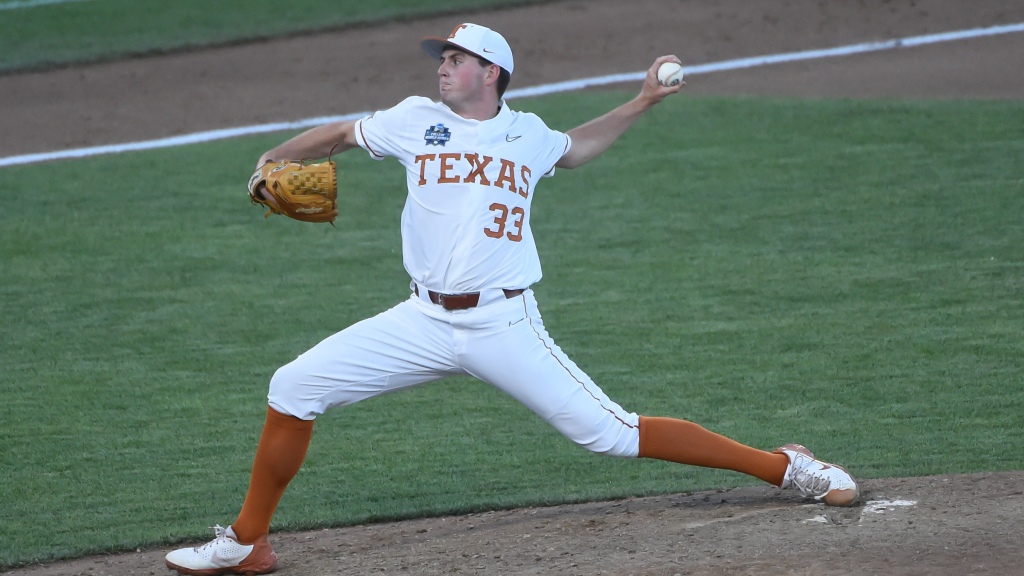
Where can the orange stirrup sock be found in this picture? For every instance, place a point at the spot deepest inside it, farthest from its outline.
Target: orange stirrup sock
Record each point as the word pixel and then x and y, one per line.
pixel 279 456
pixel 687 443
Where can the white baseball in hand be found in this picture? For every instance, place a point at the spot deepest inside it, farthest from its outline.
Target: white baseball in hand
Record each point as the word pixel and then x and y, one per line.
pixel 670 74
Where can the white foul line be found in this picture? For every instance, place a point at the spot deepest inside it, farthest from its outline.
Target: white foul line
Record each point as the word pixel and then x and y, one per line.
pixel 15 4
pixel 183 140
pixel 211 135
pixel 779 58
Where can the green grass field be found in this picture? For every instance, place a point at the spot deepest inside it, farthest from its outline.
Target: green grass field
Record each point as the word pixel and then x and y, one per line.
pixel 55 35
pixel 844 274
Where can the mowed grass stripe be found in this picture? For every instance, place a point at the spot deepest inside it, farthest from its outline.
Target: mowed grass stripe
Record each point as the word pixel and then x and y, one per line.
pixel 81 32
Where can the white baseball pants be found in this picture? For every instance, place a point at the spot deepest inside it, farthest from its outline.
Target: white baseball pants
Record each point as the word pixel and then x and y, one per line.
pixel 502 342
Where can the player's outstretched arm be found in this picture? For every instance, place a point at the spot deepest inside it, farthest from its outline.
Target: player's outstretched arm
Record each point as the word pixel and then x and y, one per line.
pixel 314 143
pixel 591 139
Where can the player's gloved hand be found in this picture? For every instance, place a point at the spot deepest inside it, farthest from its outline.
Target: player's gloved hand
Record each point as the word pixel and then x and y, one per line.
pixel 306 192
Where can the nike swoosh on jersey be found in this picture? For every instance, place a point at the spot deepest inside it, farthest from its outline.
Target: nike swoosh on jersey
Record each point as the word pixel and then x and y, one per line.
pixel 512 138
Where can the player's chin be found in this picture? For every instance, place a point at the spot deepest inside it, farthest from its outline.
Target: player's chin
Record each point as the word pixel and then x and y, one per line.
pixel 447 99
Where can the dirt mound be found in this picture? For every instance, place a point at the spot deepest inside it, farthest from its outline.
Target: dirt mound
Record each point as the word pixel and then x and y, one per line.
pixel 935 526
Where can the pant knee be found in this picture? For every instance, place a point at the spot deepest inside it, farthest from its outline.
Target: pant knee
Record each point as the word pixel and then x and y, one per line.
pixel 288 395
pixel 622 448
pixel 611 437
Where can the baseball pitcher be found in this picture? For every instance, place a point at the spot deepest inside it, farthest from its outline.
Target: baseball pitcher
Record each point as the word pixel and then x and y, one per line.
pixel 473 166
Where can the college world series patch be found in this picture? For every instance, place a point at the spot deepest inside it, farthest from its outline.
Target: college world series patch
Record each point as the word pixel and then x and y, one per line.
pixel 437 135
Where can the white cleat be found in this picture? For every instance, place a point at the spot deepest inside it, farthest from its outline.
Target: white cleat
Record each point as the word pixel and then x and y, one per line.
pixel 224 555
pixel 820 480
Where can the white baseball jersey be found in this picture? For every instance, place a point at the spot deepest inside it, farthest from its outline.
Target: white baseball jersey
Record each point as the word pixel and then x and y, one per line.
pixel 466 222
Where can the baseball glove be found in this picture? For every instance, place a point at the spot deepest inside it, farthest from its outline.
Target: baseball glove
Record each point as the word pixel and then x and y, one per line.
pixel 306 192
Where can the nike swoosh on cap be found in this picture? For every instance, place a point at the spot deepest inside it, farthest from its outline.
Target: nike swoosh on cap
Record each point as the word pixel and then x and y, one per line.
pixel 512 138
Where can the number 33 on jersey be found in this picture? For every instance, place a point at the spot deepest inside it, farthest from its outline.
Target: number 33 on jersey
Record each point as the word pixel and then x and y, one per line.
pixel 470 187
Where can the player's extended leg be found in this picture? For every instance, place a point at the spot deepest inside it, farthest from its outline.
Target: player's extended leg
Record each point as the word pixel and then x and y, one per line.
pixel 791 466
pixel 688 443
pixel 517 355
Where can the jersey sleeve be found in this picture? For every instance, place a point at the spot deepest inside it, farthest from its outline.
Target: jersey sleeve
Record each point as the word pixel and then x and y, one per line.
pixel 384 133
pixel 547 144
pixel 560 145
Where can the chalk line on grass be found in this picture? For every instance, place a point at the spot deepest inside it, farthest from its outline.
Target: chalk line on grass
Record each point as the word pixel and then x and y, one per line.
pixel 568 86
pixel 16 4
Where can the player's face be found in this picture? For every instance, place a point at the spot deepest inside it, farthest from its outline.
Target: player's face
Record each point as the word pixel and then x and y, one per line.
pixel 461 78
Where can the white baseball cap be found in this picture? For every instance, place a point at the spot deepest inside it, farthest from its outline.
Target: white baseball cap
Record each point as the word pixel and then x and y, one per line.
pixel 480 41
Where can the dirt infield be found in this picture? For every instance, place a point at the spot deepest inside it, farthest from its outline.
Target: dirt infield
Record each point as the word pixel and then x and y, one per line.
pixel 241 85
pixel 943 525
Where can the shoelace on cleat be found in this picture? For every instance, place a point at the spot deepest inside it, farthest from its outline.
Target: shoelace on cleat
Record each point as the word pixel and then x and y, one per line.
pixel 809 483
pixel 220 533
